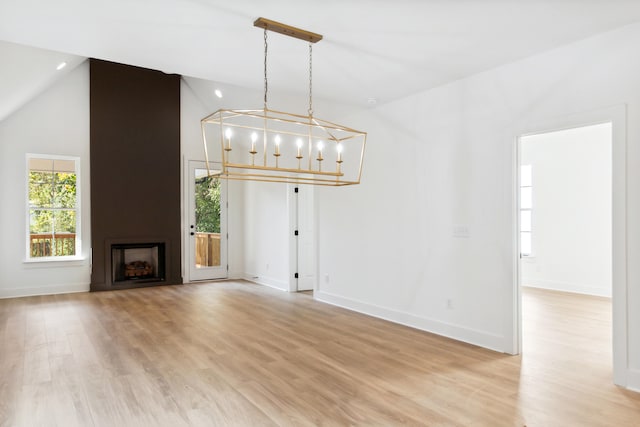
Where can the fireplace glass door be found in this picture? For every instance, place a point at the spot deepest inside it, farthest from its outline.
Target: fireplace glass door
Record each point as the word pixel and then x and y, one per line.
pixel 207 229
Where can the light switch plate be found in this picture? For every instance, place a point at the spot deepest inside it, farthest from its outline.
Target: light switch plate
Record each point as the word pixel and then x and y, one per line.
pixel 461 231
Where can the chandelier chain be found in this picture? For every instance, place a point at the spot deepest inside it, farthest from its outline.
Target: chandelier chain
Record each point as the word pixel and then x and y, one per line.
pixel 266 86
pixel 310 80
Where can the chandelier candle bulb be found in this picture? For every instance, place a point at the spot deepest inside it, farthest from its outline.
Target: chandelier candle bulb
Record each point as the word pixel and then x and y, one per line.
pixel 228 133
pixel 339 159
pixel 254 138
pixel 299 144
pixel 277 153
pixel 320 158
pixel 299 154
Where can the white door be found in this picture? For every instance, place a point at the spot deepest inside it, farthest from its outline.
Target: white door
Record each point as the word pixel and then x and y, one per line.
pixel 306 248
pixel 207 227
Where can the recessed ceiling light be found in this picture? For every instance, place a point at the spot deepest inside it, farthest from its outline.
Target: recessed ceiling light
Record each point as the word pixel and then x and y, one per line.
pixel 372 101
pixel 61 66
pixel 218 93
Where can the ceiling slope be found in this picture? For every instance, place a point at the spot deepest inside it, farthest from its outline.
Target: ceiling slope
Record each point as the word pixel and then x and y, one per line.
pixel 371 49
pixel 27 72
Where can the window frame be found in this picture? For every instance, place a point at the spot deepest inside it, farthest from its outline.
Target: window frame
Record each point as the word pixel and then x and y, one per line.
pixel 78 211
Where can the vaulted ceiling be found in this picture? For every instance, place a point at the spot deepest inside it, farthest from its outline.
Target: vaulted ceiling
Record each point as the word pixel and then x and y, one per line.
pixel 378 49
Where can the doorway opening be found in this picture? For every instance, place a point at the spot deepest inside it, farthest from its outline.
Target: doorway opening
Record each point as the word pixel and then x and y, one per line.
pixel 207 227
pixel 565 238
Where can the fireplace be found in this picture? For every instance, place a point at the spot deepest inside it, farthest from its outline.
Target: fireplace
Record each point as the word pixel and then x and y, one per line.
pixel 137 262
pixel 136 196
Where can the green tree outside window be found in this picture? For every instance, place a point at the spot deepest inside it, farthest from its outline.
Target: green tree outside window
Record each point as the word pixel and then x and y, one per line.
pixel 207 194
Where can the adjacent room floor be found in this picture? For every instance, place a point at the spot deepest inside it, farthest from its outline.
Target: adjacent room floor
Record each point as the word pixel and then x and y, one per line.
pixel 234 353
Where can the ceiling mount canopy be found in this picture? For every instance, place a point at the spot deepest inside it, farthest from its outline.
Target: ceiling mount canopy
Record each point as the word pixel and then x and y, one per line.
pixel 287 30
pixel 276 146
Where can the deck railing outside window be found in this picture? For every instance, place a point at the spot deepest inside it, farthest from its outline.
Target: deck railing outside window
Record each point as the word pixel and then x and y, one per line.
pixel 48 244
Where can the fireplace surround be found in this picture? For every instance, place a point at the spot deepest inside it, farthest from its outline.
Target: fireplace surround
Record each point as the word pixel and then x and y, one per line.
pixel 135 176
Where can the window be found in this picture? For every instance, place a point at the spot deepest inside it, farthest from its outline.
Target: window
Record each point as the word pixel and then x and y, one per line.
pixel 53 207
pixel 526 206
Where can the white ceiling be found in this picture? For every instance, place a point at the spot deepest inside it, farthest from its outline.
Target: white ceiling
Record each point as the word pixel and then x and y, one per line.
pixel 26 72
pixel 379 49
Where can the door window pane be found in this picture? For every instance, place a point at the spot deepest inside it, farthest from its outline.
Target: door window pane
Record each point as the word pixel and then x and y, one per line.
pixel 525 220
pixel 526 198
pixel 207 226
pixel 525 176
pixel 526 205
pixel 525 243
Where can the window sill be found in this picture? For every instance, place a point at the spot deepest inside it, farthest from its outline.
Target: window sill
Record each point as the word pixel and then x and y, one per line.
pixel 56 261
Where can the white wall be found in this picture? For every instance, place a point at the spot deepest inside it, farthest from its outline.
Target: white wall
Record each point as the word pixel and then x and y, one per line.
pixel 446 158
pixel 55 122
pixel 197 100
pixel 267 234
pixel 571 210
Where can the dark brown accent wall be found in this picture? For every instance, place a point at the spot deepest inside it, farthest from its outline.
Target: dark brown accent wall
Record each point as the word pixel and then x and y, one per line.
pixel 135 165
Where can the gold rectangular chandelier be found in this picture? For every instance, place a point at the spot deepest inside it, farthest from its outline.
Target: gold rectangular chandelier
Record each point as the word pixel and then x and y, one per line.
pixel 276 146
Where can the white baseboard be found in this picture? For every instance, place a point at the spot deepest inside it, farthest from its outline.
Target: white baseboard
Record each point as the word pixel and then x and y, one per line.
pixel 633 380
pixel 471 336
pixel 44 290
pixel 281 285
pixel 236 275
pixel 566 287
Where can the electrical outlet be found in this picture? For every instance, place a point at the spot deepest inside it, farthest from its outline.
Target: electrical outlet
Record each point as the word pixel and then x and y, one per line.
pixel 461 231
pixel 326 278
pixel 449 304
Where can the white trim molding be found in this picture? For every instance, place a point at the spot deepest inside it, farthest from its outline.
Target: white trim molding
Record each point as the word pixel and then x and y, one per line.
pixel 44 290
pixel 281 285
pixel 633 382
pixel 449 330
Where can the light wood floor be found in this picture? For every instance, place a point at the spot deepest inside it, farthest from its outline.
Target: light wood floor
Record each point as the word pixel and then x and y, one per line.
pixel 233 353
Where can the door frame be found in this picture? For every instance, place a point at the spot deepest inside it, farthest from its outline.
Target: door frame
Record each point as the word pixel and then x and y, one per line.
pixel 189 211
pixel 617 116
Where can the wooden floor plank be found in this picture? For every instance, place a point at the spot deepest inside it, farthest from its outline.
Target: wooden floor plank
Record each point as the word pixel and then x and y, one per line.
pixel 234 353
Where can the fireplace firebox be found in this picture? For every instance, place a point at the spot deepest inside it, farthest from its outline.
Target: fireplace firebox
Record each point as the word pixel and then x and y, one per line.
pixel 137 262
